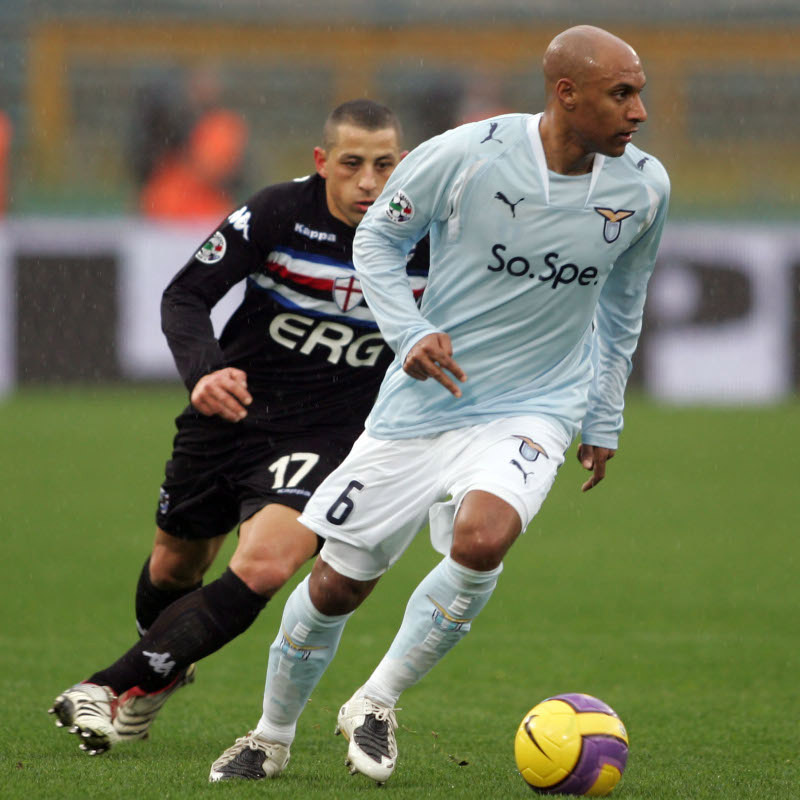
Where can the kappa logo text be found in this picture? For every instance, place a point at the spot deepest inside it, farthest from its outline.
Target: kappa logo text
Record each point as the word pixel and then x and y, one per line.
pixel 318 236
pixel 555 275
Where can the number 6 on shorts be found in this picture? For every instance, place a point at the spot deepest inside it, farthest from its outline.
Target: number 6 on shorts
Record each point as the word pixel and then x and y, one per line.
pixel 341 509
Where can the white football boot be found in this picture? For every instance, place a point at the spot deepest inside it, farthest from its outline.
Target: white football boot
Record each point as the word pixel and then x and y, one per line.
pixel 137 709
pixel 88 711
pixel 369 728
pixel 250 758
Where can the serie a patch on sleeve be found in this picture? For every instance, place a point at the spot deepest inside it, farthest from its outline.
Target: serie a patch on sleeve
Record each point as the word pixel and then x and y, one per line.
pixel 213 250
pixel 400 208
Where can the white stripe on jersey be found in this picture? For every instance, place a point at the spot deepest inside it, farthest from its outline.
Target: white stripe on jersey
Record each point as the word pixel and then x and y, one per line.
pixel 315 269
pixel 313 305
pixel 321 277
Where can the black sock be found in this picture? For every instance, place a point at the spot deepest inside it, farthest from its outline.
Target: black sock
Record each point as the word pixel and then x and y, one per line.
pixel 151 601
pixel 190 629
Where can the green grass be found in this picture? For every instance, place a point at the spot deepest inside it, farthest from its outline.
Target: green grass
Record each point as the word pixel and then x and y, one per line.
pixel 671 592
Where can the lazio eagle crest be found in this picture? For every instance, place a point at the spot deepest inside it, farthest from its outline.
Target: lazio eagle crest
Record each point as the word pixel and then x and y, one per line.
pixel 613 222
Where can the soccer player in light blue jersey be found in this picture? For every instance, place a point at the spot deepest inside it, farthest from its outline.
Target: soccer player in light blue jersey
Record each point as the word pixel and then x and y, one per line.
pixel 544 231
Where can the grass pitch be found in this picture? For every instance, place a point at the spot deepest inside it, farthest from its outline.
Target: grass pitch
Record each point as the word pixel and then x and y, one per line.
pixel 670 592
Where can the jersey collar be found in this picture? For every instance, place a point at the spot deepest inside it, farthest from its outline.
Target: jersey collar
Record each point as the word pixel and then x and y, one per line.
pixel 541 161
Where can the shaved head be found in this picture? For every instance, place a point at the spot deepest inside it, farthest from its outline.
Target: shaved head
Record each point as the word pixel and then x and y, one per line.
pixel 593 84
pixel 581 53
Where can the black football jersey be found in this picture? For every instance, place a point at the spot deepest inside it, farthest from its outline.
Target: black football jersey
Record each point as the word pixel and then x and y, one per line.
pixel 312 351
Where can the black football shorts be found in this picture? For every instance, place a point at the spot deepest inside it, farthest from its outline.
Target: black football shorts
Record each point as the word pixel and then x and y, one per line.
pixel 221 473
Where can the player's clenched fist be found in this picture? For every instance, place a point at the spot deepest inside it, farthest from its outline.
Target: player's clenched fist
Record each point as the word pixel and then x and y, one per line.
pixel 429 357
pixel 224 393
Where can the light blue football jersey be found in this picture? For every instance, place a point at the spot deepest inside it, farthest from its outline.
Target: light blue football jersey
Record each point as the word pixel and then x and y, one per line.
pixel 539 279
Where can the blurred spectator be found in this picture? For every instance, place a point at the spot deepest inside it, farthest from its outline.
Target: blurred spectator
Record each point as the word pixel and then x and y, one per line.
pixel 161 125
pixel 5 157
pixel 482 98
pixel 193 182
pixel 189 151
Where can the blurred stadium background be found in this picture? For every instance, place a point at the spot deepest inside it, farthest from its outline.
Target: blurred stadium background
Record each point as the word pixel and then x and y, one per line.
pixel 91 91
pixel 671 593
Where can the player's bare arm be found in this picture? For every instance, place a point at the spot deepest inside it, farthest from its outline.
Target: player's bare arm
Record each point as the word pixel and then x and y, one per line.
pixel 429 357
pixel 223 393
pixel 594 458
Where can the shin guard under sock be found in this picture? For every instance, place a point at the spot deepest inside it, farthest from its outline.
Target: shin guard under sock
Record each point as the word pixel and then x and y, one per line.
pixel 438 615
pixel 299 656
pixel 190 629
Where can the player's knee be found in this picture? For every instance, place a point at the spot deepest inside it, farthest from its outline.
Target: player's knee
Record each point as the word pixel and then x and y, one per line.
pixel 334 594
pixel 264 576
pixel 171 570
pixel 485 528
pixel 480 546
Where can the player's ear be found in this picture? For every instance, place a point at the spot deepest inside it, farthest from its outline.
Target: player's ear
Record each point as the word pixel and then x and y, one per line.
pixel 566 91
pixel 404 154
pixel 321 162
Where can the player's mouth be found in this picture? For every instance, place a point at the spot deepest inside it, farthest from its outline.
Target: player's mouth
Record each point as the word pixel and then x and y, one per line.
pixel 626 136
pixel 363 205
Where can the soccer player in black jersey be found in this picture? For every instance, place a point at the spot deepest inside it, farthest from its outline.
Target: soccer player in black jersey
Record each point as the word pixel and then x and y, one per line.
pixel 276 404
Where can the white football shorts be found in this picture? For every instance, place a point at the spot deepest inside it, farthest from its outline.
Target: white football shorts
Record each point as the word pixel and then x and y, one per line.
pixel 372 506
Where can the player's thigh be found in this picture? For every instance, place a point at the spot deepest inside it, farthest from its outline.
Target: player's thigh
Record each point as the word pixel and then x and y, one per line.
pixel 196 499
pixel 272 546
pixel 514 459
pixel 276 473
pixel 371 507
pixel 485 527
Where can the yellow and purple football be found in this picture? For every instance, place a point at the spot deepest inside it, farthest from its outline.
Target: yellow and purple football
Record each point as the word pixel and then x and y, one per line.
pixel 571 744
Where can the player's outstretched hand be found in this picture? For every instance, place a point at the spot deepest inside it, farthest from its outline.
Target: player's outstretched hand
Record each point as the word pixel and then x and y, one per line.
pixel 594 459
pixel 224 393
pixel 430 357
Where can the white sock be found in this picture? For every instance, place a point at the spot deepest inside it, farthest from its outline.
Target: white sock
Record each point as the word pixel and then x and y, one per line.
pixel 437 617
pixel 298 657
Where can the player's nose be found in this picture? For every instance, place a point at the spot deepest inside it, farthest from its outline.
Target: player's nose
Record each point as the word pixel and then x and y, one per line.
pixel 637 110
pixel 367 181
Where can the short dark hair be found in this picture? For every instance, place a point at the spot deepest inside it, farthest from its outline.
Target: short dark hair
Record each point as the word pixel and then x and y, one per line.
pixel 361 113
